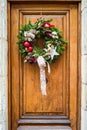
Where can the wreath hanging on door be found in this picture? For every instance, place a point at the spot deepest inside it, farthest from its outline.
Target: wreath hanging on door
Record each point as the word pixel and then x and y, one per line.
pixel 53 45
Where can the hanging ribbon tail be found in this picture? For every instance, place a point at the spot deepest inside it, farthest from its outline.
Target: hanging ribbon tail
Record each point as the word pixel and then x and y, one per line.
pixel 42 64
pixel 48 65
pixel 43 80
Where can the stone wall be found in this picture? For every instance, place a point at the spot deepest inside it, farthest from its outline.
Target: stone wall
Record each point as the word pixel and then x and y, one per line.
pixel 3 65
pixel 84 66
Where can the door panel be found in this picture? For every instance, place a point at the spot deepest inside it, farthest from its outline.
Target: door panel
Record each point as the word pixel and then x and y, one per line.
pixel 35 102
pixel 29 106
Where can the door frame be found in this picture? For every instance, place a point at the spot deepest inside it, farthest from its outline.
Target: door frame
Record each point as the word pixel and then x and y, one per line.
pixel 78 2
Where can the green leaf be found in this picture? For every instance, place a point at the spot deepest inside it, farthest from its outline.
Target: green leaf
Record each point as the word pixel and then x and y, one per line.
pixel 29 22
pixel 19 41
pixel 55 58
pixel 63 41
pixel 59 50
pixel 24 54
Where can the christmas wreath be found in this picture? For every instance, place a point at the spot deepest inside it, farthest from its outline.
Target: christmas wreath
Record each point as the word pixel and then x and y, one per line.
pixel 52 42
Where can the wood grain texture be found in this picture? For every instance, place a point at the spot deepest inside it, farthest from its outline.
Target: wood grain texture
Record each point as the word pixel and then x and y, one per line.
pixel 14 69
pixel 73 67
pixel 27 105
pixel 79 68
pixel 9 67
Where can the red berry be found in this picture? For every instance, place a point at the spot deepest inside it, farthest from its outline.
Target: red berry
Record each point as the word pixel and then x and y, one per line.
pixel 26 44
pixel 30 48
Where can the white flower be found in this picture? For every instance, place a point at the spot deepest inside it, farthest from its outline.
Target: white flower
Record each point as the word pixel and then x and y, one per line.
pixel 27 57
pixel 25 61
pixel 29 53
pixel 37 32
pixel 29 39
pixel 26 49
pixel 54 33
pixel 32 31
pixel 29 34
pixel 20 31
pixel 25 33
pixel 55 36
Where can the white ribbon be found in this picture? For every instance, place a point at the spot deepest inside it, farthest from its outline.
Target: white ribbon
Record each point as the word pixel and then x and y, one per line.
pixel 42 64
pixel 48 67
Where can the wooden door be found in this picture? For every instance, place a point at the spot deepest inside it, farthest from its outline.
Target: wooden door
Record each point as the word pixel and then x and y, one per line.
pixel 28 108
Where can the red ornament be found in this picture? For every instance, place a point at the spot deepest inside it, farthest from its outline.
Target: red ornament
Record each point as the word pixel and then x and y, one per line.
pixel 47 25
pixel 26 44
pixel 30 48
